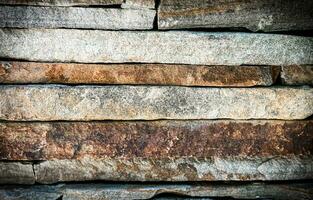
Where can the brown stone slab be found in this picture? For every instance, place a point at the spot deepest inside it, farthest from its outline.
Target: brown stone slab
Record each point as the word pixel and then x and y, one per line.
pixel 155 74
pixel 155 140
pixel 297 75
pixel 16 173
pixel 99 191
pixel 256 15
pixel 268 168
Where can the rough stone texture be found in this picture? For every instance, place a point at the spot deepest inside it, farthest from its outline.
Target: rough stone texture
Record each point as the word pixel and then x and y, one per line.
pixel 256 15
pixel 155 140
pixel 16 173
pixel 93 46
pixel 137 4
pixel 80 103
pixel 280 191
pixel 176 169
pixel 154 74
pixel 297 75
pixel 73 17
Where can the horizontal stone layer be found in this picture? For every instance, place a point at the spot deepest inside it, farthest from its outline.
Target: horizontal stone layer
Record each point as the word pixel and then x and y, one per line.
pixel 74 17
pixel 154 74
pixel 256 15
pixel 94 46
pixel 269 168
pixel 155 140
pixel 297 75
pixel 85 103
pixel 100 191
pixel 16 173
pixel 137 4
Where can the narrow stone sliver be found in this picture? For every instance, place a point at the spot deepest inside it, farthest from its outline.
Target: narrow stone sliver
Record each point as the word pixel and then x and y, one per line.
pixel 253 190
pixel 204 48
pixel 154 139
pixel 130 4
pixel 255 15
pixel 138 74
pixel 88 103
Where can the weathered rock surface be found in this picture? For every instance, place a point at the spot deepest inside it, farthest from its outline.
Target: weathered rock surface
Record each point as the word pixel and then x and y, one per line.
pixel 139 4
pixel 297 75
pixel 292 191
pixel 152 74
pixel 155 140
pixel 176 169
pixel 136 4
pixel 93 46
pixel 16 173
pixel 74 17
pixel 56 102
pixel 256 15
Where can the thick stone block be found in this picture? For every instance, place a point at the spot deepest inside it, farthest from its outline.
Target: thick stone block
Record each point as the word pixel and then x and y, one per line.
pixel 280 191
pixel 155 140
pixel 74 17
pixel 255 15
pixel 151 74
pixel 93 46
pixel 176 169
pixel 16 173
pixel 85 103
pixel 135 4
pixel 297 75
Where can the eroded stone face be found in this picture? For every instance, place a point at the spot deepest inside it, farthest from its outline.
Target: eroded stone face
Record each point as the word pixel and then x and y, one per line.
pixel 75 17
pixel 297 75
pixel 85 103
pixel 176 169
pixel 154 140
pixel 151 74
pixel 65 45
pixel 293 191
pixel 255 15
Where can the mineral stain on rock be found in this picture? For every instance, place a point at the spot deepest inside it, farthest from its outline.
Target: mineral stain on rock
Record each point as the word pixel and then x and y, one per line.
pixel 156 140
pixel 138 74
pixel 255 15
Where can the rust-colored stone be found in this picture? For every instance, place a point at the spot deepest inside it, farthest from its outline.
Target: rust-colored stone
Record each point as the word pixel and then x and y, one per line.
pixel 158 74
pixel 256 15
pixel 155 140
pixel 297 75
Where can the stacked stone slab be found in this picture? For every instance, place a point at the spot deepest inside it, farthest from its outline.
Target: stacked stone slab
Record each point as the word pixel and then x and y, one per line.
pixel 93 91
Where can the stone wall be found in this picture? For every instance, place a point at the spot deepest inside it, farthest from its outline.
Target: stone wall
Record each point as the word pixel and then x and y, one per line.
pixel 173 99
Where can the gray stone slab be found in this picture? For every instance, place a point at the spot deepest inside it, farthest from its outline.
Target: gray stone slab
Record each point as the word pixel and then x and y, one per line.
pixel 74 17
pixel 134 4
pixel 280 191
pixel 84 103
pixel 255 15
pixel 176 169
pixel 16 173
pixel 181 47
